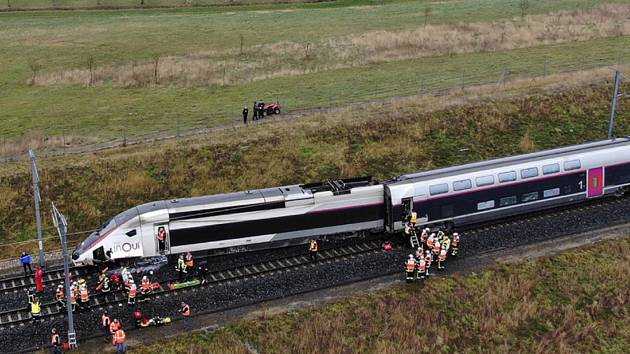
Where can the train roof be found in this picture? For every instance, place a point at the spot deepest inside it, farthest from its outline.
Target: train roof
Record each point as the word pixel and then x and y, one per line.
pixel 508 161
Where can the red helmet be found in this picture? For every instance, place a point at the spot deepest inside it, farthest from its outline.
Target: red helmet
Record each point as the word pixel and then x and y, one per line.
pixel 137 315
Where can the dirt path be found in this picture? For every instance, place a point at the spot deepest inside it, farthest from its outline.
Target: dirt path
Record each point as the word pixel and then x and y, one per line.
pixel 210 322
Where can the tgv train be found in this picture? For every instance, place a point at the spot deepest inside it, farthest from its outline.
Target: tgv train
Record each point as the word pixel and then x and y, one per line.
pixel 447 197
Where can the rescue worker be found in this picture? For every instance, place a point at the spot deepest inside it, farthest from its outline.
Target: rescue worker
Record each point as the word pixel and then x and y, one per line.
pixel 161 236
pixel 181 266
pixel 114 326
pixel 455 245
pixel 441 259
pixel 185 311
pixel 39 280
pixel 36 308
pixel 255 108
pixel 410 268
pixel 419 253
pixel 55 341
pixel 145 288
pixel 423 237
pixel 60 295
pixel 119 341
pixel 126 276
pixel 84 294
pixel 421 268
pixel 73 297
pixel 446 243
pixel 440 235
pixel 106 323
pixel 431 241
pixel 313 248
pixel 428 259
pixel 436 249
pixel 131 295
pixel 261 109
pixel 190 263
pixel 413 219
pixel 202 272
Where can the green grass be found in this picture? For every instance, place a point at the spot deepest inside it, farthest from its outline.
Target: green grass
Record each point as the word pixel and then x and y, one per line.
pixel 64 40
pixel 507 309
pixel 108 112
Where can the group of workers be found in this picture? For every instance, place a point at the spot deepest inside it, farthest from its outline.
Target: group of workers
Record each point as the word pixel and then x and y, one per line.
pixel 258 110
pixel 434 248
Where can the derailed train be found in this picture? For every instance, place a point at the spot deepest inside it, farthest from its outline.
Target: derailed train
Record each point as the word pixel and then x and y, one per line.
pixel 447 197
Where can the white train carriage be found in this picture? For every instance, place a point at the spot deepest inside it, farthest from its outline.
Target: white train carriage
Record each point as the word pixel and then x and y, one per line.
pixel 502 187
pixel 265 216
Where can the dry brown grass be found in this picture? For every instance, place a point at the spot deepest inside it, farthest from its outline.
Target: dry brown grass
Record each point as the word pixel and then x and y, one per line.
pixel 230 67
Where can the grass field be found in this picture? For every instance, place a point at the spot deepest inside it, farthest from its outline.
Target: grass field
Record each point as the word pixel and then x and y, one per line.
pixel 575 302
pixel 380 140
pixel 52 43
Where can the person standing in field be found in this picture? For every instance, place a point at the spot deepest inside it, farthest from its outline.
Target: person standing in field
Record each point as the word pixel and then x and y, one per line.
pixel 255 108
pixel 245 113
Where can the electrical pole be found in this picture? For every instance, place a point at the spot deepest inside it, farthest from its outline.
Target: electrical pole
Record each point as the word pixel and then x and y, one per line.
pixel 613 107
pixel 62 228
pixel 38 217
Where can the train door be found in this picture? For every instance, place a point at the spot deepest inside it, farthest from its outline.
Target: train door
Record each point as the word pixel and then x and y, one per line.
pixel 595 182
pixel 407 208
pixel 162 238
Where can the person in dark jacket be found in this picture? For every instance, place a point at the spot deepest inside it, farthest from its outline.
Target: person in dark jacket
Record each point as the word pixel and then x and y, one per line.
pixel 26 260
pixel 261 109
pixel 255 108
pixel 245 113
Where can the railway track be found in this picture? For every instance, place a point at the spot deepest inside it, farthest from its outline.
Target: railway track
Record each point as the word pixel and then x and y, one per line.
pixel 22 316
pixel 16 283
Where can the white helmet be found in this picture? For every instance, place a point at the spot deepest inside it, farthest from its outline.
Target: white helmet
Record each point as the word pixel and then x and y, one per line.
pixel 410 256
pixel 432 234
pixel 455 234
pixel 145 277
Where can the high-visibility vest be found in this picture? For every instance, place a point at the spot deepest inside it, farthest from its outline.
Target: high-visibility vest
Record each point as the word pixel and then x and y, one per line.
pixel 35 308
pixel 430 242
pixel 422 265
pixel 132 291
pixel 113 327
pixel 55 341
pixel 411 265
pixel 428 259
pixel 60 295
pixel 119 336
pixel 146 284
pixel 414 217
pixel 186 311
pixel 313 246
pixel 189 262
pixel 446 244
pixel 442 255
pixel 162 235
pixel 106 321
pixel 181 265
pixel 85 296
pixel 436 248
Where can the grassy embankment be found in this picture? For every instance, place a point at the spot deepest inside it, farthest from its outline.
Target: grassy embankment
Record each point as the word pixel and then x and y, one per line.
pixel 379 140
pixel 576 302
pixel 323 54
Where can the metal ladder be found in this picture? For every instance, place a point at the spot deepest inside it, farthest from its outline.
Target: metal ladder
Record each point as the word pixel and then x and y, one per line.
pixel 415 243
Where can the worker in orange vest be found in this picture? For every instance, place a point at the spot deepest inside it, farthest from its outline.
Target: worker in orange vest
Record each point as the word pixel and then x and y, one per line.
pixel 313 248
pixel 421 268
pixel 133 291
pixel 119 341
pixel 442 258
pixel 436 249
pixel 145 288
pixel 106 323
pixel 410 268
pixel 455 244
pixel 60 295
pixel 83 293
pixel 431 240
pixel 185 311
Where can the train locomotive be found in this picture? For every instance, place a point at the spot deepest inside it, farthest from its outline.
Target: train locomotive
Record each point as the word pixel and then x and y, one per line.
pixel 447 197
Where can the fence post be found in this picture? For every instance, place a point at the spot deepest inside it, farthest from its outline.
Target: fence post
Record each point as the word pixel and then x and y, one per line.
pixel 463 82
pixel 545 68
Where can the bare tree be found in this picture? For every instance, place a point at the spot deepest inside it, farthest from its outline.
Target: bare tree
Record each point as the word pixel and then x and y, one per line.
pixel 524 6
pixel 156 66
pixel 91 66
pixel 427 13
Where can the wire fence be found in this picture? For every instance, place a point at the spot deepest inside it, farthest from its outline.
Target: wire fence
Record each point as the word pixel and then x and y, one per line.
pixel 326 95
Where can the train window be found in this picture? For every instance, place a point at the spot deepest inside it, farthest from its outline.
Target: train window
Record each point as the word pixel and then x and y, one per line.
pixel 131 233
pixel 572 165
pixel 485 205
pixel 507 176
pixel 461 185
pixel 529 172
pixel 505 201
pixel 438 188
pixel 549 169
pixel 484 181
pixel 551 192
pixel 528 197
